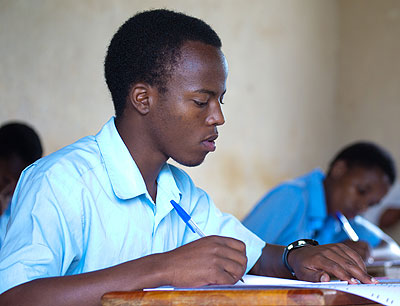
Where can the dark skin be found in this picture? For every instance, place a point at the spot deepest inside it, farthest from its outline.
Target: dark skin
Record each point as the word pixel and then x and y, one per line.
pixel 389 218
pixel 182 124
pixel 10 170
pixel 351 190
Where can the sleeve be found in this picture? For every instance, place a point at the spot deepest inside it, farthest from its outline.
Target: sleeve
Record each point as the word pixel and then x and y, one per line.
pixel 41 238
pixel 277 215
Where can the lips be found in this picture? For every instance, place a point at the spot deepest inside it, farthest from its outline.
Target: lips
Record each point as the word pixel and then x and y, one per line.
pixel 212 137
pixel 209 142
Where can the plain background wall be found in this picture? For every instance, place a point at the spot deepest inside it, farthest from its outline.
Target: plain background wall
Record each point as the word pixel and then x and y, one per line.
pixel 306 77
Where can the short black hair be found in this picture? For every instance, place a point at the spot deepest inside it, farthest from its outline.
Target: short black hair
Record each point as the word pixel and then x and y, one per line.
pixel 21 140
pixel 367 155
pixel 146 48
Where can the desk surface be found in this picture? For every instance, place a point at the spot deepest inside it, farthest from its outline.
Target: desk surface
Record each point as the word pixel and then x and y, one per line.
pixel 270 296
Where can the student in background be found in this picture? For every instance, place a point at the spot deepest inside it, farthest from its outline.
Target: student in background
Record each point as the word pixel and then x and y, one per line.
pixel 358 177
pixel 19 147
pixel 387 213
pixel 96 215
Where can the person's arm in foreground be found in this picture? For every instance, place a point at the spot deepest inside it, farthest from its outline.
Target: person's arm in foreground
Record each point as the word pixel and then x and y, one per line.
pixel 314 263
pixel 210 260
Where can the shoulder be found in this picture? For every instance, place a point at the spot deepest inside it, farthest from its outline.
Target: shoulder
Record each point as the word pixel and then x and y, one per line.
pixel 62 174
pixel 289 189
pixel 301 186
pixel 71 161
pixel 291 193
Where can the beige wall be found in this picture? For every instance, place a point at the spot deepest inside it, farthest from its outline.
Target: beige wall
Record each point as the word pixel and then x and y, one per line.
pixel 369 76
pixel 296 89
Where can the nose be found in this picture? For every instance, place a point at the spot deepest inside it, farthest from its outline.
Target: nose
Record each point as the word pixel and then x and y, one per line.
pixel 215 116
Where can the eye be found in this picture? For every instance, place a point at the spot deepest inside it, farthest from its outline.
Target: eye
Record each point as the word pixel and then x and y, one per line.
pixel 200 103
pixel 362 190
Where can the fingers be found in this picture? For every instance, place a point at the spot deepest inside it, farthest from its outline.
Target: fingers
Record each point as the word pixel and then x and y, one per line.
pixel 229 242
pixel 330 267
pixel 334 259
pixel 209 260
pixel 345 264
pixel 349 254
pixel 230 248
pixel 361 247
pixel 324 277
pixel 230 255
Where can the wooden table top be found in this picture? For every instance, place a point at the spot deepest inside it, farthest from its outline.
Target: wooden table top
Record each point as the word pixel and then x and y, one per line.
pixel 270 296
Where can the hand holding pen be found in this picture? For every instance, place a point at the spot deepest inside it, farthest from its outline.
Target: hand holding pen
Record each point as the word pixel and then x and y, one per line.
pixel 190 223
pixel 361 247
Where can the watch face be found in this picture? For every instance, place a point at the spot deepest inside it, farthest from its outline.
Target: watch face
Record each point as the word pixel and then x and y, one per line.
pixel 295 245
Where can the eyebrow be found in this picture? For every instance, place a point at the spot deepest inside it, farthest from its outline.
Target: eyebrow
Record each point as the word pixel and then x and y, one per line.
pixel 209 92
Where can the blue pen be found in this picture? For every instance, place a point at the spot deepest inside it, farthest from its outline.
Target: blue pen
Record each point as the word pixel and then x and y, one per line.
pixel 187 219
pixel 189 222
pixel 347 227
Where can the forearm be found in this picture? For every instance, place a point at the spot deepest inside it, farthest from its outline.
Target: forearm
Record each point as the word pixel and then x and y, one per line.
pixel 270 262
pixel 87 288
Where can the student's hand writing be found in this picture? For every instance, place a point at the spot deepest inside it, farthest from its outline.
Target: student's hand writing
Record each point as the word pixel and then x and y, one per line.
pixel 361 247
pixel 209 260
pixel 316 263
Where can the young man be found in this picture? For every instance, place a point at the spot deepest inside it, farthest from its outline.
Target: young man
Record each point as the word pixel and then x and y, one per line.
pixel 358 177
pixel 108 197
pixel 19 147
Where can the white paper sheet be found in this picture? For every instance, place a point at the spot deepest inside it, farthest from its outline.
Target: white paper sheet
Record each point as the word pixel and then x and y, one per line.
pixel 386 292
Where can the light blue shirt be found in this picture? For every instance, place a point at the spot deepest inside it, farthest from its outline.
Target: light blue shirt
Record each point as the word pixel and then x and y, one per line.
pixel 86 207
pixel 297 209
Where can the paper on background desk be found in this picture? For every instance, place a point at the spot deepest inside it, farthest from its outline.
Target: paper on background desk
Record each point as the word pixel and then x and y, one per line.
pixel 386 292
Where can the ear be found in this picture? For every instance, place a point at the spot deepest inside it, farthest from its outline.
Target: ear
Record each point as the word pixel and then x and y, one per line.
pixel 141 96
pixel 338 169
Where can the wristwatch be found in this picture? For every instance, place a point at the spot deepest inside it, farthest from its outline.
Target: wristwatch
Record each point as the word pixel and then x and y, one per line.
pixel 295 245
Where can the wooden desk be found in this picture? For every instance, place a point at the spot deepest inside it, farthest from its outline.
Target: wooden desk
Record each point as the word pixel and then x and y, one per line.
pixel 270 296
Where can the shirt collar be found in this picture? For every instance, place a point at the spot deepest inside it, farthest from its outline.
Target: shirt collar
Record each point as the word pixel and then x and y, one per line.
pixel 167 185
pixel 126 180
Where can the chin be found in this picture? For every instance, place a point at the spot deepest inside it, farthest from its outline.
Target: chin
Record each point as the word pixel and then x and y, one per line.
pixel 189 162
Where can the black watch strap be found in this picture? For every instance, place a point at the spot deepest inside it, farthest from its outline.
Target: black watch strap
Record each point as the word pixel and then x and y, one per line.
pixel 295 245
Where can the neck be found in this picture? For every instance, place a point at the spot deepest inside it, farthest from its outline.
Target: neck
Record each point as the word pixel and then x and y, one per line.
pixel 148 160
